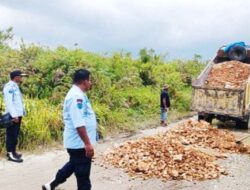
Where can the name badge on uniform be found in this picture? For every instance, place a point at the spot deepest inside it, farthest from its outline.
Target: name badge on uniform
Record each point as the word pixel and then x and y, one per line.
pixel 11 91
pixel 79 103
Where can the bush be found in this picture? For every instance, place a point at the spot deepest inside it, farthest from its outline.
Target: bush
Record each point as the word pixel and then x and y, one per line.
pixel 41 126
pixel 124 89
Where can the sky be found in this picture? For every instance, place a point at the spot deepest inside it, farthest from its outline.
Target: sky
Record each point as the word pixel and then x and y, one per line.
pixel 180 28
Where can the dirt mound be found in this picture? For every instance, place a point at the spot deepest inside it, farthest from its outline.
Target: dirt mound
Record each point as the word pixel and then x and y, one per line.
pixel 174 155
pixel 229 75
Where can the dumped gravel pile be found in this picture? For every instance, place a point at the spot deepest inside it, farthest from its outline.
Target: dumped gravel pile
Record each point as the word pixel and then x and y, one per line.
pixel 172 155
pixel 204 135
pixel 230 75
pixel 163 158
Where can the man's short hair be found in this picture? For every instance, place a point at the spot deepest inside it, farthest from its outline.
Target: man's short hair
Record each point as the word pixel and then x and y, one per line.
pixel 80 75
pixel 16 73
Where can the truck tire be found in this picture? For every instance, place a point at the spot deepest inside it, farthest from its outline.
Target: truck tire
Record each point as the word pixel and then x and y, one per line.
pixel 237 53
pixel 200 117
pixel 241 124
pixel 208 118
pixel 248 122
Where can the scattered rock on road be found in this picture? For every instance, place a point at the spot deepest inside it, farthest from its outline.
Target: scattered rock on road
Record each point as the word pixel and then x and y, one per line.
pixel 176 154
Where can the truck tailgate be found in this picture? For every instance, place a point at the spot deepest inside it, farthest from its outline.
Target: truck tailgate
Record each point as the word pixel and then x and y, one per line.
pixel 217 101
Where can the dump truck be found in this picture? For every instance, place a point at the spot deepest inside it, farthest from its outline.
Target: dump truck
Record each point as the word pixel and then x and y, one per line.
pixel 219 102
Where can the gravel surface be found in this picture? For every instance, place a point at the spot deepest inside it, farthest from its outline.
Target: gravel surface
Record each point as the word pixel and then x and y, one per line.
pixel 38 169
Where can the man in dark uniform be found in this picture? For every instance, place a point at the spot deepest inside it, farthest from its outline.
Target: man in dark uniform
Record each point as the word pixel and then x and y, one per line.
pixel 165 105
pixel 14 106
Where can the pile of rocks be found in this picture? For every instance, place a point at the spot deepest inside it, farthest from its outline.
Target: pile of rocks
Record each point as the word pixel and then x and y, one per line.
pixel 176 154
pixel 229 75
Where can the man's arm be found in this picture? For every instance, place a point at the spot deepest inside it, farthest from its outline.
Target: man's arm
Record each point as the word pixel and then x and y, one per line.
pixel 84 136
pixel 168 101
pixel 165 104
pixel 8 99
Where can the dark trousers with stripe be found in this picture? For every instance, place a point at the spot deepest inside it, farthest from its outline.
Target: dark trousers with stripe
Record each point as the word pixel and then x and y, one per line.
pixel 78 164
pixel 12 133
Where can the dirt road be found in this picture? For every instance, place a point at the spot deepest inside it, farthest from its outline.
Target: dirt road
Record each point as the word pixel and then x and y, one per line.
pixel 38 169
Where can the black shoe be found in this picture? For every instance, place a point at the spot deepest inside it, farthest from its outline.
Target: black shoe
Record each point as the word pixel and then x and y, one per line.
pixel 18 155
pixel 12 157
pixel 47 187
pixel 50 185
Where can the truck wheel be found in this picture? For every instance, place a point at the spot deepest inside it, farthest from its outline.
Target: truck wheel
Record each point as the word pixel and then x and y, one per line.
pixel 200 117
pixel 209 119
pixel 241 124
pixel 248 122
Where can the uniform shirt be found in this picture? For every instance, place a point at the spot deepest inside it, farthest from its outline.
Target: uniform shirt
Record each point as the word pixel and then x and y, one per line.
pixel 78 112
pixel 164 95
pixel 13 99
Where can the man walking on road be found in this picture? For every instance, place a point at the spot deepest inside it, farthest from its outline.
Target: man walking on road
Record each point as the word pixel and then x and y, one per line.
pixel 165 105
pixel 14 106
pixel 79 133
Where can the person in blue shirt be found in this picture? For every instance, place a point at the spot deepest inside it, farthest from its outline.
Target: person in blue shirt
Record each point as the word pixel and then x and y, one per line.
pixel 14 105
pixel 79 133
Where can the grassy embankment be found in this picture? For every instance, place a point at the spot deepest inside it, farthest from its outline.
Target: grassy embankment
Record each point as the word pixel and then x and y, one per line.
pixel 125 93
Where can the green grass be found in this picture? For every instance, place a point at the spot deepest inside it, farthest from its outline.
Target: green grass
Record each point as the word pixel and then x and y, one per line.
pixel 42 126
